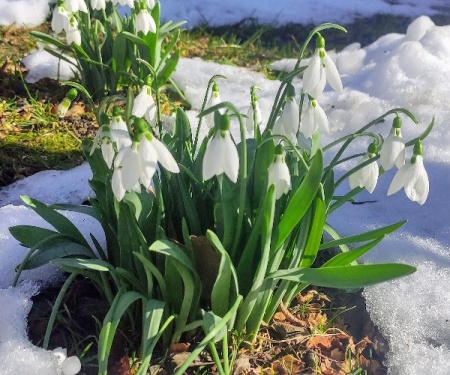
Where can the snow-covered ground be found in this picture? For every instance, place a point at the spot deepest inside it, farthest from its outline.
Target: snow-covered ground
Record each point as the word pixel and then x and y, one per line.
pixel 398 70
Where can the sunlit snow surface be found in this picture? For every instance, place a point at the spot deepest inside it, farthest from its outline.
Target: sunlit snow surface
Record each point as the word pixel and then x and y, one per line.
pixel 409 70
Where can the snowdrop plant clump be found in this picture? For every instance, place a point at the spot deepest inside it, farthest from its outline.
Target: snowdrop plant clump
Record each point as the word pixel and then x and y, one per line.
pixel 212 235
pixel 108 48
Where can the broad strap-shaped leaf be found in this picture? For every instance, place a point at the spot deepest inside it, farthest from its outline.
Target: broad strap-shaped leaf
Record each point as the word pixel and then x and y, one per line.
pixel 29 235
pixel 367 236
pixel 346 277
pixel 57 220
pixel 350 256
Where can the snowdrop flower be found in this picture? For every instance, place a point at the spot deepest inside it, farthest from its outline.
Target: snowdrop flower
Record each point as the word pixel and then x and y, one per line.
pixel 313 118
pixel 320 70
pixel 75 5
pixel 150 3
pixel 144 105
pixel 103 138
pixel 214 100
pixel 279 129
pixel 290 114
pixel 252 115
pixel 63 107
pixel 393 150
pixel 412 177
pixel 119 130
pixel 279 173
pixel 130 3
pixel 145 22
pixel 367 176
pixel 136 164
pixel 221 155
pixel 60 19
pixel 98 4
pixel 73 34
pixel 68 365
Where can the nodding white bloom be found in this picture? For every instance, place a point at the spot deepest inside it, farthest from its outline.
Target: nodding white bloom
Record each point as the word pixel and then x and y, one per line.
pixel 145 22
pixel 413 178
pixel 367 176
pixel 130 3
pixel 73 34
pixel 119 131
pixel 68 365
pixel 252 115
pixel 74 6
pixel 221 155
pixel 290 115
pixel 213 100
pixel 393 149
pixel 279 173
pixel 320 70
pixel 279 129
pixel 136 164
pixel 144 103
pixel 98 4
pixel 104 139
pixel 313 118
pixel 60 19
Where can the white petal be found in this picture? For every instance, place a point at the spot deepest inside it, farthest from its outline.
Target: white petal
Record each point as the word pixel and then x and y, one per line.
pixel 116 184
pixel 357 178
pixel 214 100
pixel 308 124
pixel 399 180
pixel 71 366
pixel 321 119
pixel 372 176
pixel 332 74
pixel 164 156
pixel 230 160
pixel 148 158
pixel 392 152
pixel 290 116
pixel 108 153
pixel 280 176
pixel 311 75
pixel 130 168
pixel 212 160
pixel 142 102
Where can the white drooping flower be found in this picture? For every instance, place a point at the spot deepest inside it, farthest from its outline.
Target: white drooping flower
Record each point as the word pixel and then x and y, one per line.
pixel 73 34
pixel 279 173
pixel 103 139
pixel 252 115
pixel 213 100
pixel 413 178
pixel 74 6
pixel 393 149
pixel 145 22
pixel 290 116
pixel 314 117
pixel 367 176
pixel 60 19
pixel 137 163
pixel 67 365
pixel 279 129
pixel 98 4
pixel 119 132
pixel 320 70
pixel 144 105
pixel 221 155
pixel 150 3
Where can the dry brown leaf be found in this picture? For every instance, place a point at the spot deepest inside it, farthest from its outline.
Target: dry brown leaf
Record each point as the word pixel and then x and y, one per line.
pixel 178 347
pixel 287 365
pixel 77 109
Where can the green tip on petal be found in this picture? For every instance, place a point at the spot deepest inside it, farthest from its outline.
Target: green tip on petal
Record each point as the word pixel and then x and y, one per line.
pixel 372 149
pixel 224 123
pixel 418 148
pixel 397 123
pixel 320 41
pixel 71 94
